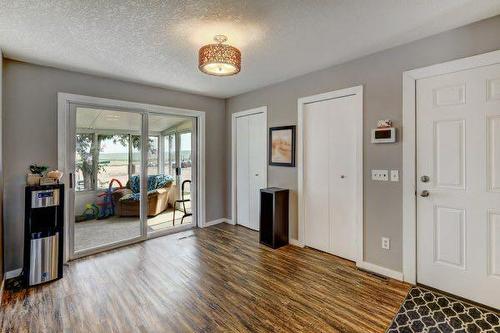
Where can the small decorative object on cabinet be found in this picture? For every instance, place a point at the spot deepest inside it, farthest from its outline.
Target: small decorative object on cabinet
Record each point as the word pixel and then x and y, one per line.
pixel 37 172
pixel 274 217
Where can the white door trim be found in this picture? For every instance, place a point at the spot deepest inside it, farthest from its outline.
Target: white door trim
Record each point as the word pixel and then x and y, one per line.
pixel 353 91
pixel 63 107
pixel 409 152
pixel 261 109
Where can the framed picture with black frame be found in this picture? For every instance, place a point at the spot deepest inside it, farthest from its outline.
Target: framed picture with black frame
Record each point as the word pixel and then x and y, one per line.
pixel 282 146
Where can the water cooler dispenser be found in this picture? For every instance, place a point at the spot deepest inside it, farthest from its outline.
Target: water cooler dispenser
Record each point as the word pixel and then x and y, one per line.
pixel 43 234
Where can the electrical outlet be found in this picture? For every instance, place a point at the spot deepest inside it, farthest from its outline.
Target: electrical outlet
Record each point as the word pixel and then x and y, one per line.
pixel 386 243
pixel 380 175
pixel 394 175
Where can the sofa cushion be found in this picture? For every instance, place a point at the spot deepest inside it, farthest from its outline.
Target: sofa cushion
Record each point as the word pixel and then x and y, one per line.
pixel 154 182
pixel 137 196
pixel 129 197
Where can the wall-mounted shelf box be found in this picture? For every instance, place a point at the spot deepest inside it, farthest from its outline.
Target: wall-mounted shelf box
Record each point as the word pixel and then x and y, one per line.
pixel 384 135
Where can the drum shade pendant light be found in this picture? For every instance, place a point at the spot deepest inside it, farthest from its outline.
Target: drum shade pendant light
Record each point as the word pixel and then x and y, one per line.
pixel 219 59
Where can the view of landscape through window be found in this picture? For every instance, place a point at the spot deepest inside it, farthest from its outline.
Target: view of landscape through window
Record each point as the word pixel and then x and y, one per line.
pixel 116 161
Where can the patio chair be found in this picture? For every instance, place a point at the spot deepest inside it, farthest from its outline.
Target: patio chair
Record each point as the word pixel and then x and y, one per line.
pixel 183 201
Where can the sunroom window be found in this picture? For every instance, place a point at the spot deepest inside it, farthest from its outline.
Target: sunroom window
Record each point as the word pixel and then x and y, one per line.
pixel 118 157
pixel 84 162
pixel 113 159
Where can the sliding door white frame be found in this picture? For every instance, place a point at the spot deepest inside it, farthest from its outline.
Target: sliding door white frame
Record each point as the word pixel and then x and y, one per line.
pixel 235 116
pixel 69 197
pixel 64 141
pixel 358 93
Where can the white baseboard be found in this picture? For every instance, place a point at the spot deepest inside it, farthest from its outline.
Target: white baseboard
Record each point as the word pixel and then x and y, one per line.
pixel 230 221
pixel 380 270
pixel 295 242
pixel 13 273
pixel 214 222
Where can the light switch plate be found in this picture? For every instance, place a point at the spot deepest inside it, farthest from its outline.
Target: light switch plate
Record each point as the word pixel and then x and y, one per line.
pixel 380 175
pixel 394 175
pixel 386 243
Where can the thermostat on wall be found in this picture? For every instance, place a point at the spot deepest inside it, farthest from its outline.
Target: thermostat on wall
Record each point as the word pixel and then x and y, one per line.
pixel 384 135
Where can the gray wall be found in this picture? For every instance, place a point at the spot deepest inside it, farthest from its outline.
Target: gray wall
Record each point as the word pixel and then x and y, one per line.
pixel 381 76
pixel 30 131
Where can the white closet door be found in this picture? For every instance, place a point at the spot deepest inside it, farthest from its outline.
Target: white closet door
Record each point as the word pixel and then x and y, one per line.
pixel 330 176
pixel 242 171
pixel 257 164
pixel 316 175
pixel 251 164
pixel 342 161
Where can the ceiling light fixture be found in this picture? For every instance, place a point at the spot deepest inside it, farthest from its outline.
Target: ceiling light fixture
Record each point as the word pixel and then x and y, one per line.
pixel 219 59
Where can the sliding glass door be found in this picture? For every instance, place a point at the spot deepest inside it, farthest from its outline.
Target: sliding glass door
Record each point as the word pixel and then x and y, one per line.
pixel 111 206
pixel 107 195
pixel 170 204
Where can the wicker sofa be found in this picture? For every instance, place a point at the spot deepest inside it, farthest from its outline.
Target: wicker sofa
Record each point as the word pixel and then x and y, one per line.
pixel 160 195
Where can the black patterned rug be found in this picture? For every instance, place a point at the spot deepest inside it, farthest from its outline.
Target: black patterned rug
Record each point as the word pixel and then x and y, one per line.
pixel 430 312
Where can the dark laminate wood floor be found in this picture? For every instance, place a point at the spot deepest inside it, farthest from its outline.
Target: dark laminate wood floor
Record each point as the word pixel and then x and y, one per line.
pixel 218 279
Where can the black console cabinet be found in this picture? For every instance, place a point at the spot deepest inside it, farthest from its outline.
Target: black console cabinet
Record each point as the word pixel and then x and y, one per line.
pixel 274 217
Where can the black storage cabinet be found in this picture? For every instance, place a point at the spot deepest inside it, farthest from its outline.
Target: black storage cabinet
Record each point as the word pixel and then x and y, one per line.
pixel 274 217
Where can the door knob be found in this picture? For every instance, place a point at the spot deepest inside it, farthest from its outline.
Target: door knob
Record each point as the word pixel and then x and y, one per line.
pixel 342 176
pixel 256 175
pixel 424 194
pixel 424 179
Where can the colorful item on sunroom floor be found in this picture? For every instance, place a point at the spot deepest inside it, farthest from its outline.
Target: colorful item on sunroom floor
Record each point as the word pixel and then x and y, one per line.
pixel 105 201
pixel 91 212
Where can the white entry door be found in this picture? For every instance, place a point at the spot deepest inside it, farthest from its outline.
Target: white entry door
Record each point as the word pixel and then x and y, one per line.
pixel 329 141
pixel 251 140
pixel 458 183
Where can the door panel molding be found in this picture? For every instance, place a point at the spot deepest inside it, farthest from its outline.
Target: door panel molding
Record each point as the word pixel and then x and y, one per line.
pixel 449 225
pixel 493 153
pixel 494 243
pixel 449 96
pixel 409 145
pixel 493 92
pixel 449 172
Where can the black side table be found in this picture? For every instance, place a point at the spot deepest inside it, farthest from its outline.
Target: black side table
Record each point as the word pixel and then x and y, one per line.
pixel 274 217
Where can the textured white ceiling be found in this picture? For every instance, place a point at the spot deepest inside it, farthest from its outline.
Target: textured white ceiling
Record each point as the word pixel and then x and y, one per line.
pixel 157 42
